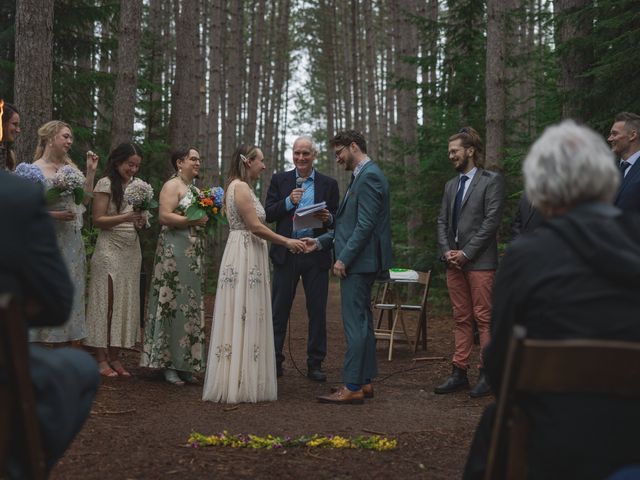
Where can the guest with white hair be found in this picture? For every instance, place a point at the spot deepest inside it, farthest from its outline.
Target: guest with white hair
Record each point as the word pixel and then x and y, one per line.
pixel 576 276
pixel 303 186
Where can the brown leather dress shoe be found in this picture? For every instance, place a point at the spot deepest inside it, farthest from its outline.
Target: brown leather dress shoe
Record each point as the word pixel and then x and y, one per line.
pixel 367 390
pixel 343 396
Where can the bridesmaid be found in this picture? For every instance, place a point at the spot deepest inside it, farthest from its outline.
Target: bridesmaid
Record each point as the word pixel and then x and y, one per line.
pixel 10 128
pixel 113 311
pixel 174 332
pixel 52 153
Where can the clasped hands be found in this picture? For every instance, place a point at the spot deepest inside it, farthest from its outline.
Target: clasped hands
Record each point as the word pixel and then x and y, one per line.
pixel 303 245
pixel 455 259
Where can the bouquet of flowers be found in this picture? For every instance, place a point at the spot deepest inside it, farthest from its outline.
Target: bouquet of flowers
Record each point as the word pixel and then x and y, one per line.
pixel 139 194
pixel 30 172
pixel 67 181
pixel 206 202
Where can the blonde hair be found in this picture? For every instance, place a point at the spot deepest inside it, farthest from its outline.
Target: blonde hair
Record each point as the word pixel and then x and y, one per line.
pixel 46 133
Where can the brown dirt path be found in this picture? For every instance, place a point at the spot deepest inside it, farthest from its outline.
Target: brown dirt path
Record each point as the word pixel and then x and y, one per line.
pixel 138 427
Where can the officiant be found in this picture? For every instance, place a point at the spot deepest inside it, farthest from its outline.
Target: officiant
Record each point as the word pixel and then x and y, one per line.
pixel 298 188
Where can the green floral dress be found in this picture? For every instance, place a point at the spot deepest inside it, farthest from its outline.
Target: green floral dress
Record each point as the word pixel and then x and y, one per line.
pixel 174 333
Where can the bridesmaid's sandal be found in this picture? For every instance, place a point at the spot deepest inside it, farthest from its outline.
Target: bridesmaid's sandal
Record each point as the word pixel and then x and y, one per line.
pixel 117 366
pixel 189 377
pixel 106 371
pixel 171 376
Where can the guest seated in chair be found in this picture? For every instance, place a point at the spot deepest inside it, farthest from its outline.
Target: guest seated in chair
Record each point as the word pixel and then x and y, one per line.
pixel 576 276
pixel 65 380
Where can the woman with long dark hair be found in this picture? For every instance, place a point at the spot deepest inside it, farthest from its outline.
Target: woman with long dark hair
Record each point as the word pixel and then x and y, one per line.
pixel 10 128
pixel 113 310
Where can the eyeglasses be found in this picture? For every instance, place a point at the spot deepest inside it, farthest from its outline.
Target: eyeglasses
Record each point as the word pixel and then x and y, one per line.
pixel 339 151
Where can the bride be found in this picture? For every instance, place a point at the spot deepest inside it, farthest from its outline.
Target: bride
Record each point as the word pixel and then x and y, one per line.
pixel 241 363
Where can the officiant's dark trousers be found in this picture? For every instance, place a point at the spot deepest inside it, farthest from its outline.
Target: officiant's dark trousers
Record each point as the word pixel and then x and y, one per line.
pixel 315 281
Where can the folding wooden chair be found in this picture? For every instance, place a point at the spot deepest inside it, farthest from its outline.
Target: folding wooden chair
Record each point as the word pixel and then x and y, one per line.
pixel 554 366
pixel 16 390
pixel 396 329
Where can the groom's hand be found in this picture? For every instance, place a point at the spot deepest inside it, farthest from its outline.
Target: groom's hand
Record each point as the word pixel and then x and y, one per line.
pixel 309 244
pixel 339 270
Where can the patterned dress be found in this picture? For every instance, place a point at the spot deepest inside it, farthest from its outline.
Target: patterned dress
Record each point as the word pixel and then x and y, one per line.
pixel 174 333
pixel 71 245
pixel 117 256
pixel 241 365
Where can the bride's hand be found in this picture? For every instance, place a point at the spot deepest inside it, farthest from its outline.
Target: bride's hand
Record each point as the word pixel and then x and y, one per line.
pixel 295 246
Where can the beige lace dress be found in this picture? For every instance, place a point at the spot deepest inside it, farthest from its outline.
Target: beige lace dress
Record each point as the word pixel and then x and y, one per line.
pixel 241 364
pixel 117 255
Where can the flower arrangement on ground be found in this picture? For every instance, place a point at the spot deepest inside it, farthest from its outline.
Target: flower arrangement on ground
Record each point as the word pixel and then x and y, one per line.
pixel 30 172
pixel 224 439
pixel 67 181
pixel 206 202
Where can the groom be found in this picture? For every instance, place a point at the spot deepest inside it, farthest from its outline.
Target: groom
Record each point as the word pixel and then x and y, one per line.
pixel 362 245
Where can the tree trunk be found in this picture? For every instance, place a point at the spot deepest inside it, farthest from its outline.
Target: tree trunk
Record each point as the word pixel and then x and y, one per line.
pixel 255 67
pixel 234 74
pixel 370 64
pixel 406 77
pixel 33 92
pixel 495 84
pixel 279 76
pixel 183 126
pixel 127 72
pixel 212 162
pixel 573 28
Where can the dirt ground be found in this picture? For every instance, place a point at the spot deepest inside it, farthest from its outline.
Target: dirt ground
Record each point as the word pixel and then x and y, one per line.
pixel 138 427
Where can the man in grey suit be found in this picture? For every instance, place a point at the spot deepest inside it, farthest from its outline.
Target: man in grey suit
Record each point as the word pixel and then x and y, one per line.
pixel 362 246
pixel 467 225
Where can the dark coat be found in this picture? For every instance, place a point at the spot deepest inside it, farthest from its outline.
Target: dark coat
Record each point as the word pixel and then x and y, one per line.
pixel 575 276
pixel 628 196
pixel 325 189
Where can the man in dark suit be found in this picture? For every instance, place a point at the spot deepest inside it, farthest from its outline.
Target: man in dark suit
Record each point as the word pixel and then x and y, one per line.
pixel 467 226
pixel 31 267
pixel 300 187
pixel 576 276
pixel 362 246
pixel 527 217
pixel 625 144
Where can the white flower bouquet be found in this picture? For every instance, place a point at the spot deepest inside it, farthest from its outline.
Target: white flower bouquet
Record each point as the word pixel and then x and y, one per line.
pixel 67 181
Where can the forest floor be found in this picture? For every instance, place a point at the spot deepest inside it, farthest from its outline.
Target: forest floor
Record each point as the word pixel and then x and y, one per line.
pixel 138 427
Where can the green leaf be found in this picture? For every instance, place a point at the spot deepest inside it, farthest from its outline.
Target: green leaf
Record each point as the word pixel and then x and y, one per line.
pixel 194 213
pixel 53 195
pixel 78 195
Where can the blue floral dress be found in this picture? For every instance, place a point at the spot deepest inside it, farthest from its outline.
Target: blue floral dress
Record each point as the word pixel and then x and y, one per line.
pixel 71 245
pixel 174 332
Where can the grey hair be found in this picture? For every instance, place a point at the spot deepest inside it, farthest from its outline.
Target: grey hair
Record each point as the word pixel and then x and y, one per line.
pixel 308 138
pixel 568 165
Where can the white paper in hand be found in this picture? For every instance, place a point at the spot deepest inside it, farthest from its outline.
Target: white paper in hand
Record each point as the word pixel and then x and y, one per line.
pixel 304 218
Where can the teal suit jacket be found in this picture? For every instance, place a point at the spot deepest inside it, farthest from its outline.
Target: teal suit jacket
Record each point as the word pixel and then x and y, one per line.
pixel 362 236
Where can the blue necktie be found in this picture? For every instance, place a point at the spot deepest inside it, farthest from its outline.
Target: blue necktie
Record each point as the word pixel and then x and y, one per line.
pixel 623 167
pixel 458 203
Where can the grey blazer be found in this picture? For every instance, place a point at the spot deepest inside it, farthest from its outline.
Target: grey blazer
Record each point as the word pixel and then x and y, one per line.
pixel 478 221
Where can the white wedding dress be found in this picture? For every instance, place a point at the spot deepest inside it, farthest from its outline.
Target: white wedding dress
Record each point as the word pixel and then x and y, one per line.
pixel 241 364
